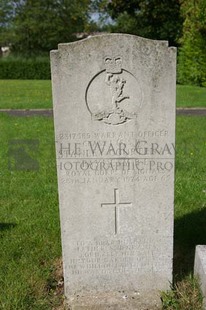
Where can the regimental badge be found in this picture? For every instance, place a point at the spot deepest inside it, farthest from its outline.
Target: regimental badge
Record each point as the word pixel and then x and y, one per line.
pixel 113 96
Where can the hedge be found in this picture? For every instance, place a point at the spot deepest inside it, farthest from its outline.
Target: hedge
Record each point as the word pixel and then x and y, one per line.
pixel 25 69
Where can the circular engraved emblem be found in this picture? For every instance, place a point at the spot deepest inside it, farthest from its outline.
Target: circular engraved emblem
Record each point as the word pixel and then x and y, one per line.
pixel 113 96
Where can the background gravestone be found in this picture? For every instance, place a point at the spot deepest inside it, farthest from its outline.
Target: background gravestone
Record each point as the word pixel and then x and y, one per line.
pixel 200 269
pixel 114 112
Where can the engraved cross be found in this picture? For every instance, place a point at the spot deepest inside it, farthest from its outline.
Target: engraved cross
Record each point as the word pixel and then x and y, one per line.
pixel 116 204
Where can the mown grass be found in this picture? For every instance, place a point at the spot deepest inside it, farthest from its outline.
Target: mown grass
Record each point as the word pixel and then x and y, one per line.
pixel 190 190
pixel 25 94
pixel 191 96
pixel 190 212
pixel 36 94
pixel 29 218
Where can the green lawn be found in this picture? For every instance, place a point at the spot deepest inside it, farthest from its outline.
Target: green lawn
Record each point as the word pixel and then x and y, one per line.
pixel 33 94
pixel 191 96
pixel 190 189
pixel 29 218
pixel 25 94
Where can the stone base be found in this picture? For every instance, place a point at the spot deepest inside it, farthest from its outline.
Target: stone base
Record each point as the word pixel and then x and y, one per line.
pixel 115 301
pixel 200 268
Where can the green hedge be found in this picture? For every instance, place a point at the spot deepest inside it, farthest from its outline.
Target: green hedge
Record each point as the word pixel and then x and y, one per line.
pixel 25 69
pixel 191 68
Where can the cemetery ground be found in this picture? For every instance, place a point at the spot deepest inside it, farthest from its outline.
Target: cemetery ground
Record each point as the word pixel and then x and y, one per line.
pixel 29 224
pixel 36 94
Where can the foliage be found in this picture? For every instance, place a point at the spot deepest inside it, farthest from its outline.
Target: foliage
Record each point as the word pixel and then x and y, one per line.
pixel 153 19
pixel 25 68
pixel 192 56
pixel 6 17
pixel 38 26
pixel 184 295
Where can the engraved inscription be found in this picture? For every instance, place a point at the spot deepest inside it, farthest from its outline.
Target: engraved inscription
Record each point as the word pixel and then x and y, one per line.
pixel 116 204
pixel 101 257
pixel 112 135
pixel 108 157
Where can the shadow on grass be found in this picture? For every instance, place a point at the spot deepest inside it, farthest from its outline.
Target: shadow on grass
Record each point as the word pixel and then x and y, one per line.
pixel 6 226
pixel 190 230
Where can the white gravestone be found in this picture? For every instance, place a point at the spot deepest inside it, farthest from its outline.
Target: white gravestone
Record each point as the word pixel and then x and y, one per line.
pixel 114 113
pixel 200 269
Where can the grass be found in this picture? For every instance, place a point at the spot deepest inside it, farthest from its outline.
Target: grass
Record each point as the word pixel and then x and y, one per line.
pixel 29 218
pixel 190 194
pixel 185 295
pixel 25 94
pixel 191 96
pixel 33 94
pixel 190 212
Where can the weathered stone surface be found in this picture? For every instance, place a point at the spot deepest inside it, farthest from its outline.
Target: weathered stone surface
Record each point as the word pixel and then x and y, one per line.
pixel 200 268
pixel 121 300
pixel 114 112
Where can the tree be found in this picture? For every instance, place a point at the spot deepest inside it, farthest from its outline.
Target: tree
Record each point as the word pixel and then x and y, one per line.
pixel 152 19
pixel 192 55
pixel 6 17
pixel 40 25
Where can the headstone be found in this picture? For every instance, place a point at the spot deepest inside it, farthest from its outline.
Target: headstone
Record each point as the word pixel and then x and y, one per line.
pixel 114 113
pixel 200 269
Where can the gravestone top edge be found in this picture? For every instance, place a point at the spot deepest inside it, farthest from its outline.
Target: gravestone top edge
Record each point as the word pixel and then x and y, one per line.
pixel 164 43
